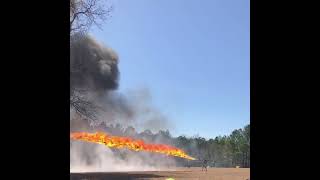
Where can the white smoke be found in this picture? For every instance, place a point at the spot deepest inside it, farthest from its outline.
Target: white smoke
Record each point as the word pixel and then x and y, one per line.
pixel 88 157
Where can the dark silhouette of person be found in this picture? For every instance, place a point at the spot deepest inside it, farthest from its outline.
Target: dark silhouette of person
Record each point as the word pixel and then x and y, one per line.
pixel 204 165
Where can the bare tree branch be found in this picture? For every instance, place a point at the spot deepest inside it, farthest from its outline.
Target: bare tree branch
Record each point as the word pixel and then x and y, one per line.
pixel 82 105
pixel 84 13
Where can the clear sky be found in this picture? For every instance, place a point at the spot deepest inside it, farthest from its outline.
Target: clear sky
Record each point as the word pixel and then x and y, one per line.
pixel 192 55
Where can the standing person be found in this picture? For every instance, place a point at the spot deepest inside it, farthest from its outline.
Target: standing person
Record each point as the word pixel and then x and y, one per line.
pixel 188 164
pixel 204 165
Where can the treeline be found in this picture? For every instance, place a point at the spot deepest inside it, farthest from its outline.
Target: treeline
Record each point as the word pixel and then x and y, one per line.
pixel 222 151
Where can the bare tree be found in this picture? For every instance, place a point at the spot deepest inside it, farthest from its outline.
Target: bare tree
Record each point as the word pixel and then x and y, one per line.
pixel 84 14
pixel 82 105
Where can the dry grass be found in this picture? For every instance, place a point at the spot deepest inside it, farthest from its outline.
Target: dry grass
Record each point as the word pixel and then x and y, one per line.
pixel 178 174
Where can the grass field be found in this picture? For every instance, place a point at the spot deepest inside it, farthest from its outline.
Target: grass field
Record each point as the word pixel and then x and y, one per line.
pixel 177 174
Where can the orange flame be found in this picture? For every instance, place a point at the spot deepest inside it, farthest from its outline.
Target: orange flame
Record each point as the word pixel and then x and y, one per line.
pixel 129 143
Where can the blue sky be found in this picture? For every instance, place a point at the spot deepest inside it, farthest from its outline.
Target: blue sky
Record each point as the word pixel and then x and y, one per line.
pixel 193 56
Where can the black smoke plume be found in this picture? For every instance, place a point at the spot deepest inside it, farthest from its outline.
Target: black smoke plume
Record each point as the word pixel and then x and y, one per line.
pixel 93 66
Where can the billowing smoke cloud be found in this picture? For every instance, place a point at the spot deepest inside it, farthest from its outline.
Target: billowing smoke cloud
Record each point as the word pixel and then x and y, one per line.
pixel 94 69
pixel 93 66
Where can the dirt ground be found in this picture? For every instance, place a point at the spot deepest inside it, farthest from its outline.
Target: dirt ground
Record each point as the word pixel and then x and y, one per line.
pixel 178 174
